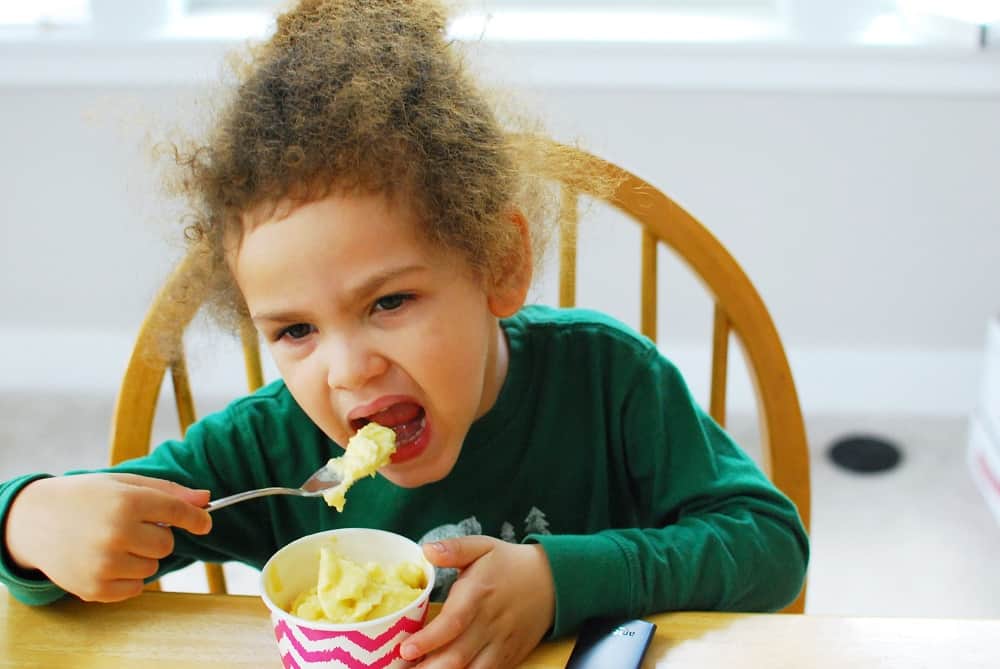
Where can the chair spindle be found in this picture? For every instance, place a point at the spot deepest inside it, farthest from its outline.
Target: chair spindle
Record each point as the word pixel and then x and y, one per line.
pixel 720 365
pixel 568 221
pixel 251 356
pixel 649 281
pixel 186 416
pixel 182 393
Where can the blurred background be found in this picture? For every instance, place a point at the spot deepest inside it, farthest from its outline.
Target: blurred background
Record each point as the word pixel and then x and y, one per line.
pixel 846 152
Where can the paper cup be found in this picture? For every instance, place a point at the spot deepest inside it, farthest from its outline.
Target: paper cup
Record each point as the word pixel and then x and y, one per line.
pixel 373 643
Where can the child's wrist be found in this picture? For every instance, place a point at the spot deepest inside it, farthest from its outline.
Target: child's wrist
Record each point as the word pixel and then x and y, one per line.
pixel 16 527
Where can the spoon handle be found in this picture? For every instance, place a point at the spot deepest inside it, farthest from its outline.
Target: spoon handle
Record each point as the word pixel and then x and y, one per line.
pixel 223 502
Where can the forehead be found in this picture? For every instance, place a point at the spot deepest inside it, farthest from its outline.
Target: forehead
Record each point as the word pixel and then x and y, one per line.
pixel 343 216
pixel 309 199
pixel 334 242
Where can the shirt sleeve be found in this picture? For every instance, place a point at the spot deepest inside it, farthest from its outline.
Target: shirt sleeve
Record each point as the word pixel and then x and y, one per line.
pixel 714 534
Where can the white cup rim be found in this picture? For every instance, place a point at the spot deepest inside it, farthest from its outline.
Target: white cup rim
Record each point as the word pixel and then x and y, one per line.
pixel 424 595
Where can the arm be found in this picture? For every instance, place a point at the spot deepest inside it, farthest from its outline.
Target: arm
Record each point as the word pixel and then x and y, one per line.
pixel 714 532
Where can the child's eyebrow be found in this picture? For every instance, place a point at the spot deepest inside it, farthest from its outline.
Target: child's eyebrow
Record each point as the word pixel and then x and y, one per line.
pixel 355 294
pixel 374 282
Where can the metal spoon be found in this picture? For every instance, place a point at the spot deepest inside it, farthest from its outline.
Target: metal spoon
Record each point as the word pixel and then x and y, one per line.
pixel 322 480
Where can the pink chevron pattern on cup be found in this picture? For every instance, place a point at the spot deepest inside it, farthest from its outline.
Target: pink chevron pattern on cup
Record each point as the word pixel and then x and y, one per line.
pixel 303 647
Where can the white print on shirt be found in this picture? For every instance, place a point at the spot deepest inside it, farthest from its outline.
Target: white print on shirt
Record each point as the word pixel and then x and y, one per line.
pixel 534 523
pixel 507 533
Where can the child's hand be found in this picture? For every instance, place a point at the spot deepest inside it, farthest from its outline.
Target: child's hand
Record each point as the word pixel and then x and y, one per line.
pixel 99 535
pixel 497 611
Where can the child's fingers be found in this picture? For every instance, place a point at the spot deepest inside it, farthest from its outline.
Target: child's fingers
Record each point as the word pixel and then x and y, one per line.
pixel 494 655
pixel 162 508
pixel 132 567
pixel 109 591
pixel 151 541
pixel 439 632
pixel 457 620
pixel 118 590
pixel 189 495
pixel 459 552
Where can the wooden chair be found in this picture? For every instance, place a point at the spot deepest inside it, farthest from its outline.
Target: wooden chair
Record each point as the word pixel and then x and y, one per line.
pixel 738 311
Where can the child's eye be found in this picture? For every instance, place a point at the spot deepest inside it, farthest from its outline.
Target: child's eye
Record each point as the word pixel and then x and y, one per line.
pixel 297 331
pixel 392 302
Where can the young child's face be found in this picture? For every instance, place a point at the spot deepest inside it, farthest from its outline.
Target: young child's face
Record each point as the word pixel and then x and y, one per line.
pixel 368 322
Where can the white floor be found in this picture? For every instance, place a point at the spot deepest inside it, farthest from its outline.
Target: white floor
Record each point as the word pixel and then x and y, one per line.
pixel 916 541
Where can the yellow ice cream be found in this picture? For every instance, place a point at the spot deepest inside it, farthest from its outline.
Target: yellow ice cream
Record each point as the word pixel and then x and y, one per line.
pixel 367 450
pixel 348 591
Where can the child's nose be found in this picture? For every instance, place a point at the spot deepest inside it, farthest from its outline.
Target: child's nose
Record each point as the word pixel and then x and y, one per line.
pixel 351 363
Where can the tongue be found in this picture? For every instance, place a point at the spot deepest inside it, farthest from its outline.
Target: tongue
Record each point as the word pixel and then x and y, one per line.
pixel 398 414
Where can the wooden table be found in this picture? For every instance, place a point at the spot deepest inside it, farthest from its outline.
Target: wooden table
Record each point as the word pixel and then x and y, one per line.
pixel 183 631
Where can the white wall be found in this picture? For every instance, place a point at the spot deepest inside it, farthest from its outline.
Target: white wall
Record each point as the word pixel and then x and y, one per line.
pixel 868 223
pixel 867 220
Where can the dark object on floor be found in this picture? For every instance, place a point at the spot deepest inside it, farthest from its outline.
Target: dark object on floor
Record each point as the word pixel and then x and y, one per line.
pixel 864 453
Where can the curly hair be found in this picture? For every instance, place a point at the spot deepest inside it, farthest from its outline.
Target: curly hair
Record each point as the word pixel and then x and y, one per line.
pixel 362 96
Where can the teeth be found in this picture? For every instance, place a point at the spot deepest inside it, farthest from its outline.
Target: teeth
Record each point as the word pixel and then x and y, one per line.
pixel 410 433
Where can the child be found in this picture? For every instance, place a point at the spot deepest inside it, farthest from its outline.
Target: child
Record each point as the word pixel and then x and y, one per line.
pixel 364 208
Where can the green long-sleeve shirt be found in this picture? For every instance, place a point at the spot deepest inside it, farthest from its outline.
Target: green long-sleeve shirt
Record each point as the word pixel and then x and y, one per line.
pixel 594 449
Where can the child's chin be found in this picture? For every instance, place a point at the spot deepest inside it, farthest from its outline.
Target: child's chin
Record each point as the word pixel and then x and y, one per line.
pixel 415 474
pixel 412 479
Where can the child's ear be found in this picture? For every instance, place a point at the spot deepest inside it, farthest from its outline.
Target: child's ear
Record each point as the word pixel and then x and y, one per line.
pixel 510 290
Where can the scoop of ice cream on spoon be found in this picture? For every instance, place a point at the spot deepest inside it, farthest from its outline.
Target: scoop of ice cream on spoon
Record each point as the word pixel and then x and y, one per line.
pixel 369 449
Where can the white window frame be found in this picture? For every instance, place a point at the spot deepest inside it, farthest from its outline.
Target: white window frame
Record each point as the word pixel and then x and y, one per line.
pixel 14 15
pixel 155 42
pixel 821 22
pixel 699 5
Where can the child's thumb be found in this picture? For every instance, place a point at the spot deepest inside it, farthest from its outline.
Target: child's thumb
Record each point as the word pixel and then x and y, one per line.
pixel 459 552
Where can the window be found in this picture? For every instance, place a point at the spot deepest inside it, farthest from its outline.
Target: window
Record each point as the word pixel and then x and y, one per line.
pixel 44 13
pixel 979 12
pixel 955 23
pixel 561 20
pixel 216 5
pixel 751 43
pixel 692 5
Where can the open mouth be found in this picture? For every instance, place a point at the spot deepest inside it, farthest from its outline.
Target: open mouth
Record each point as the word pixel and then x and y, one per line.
pixel 406 419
